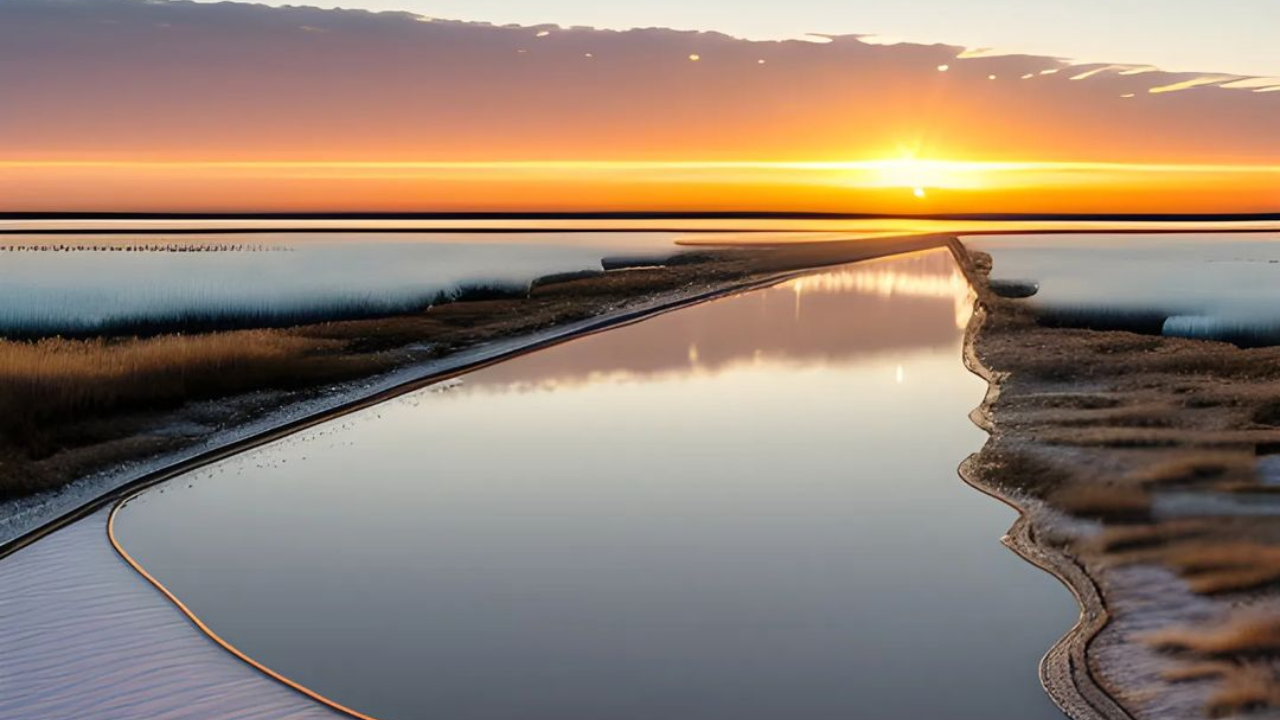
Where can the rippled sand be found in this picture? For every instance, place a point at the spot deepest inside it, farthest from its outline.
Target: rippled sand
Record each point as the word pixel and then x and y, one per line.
pixel 85 637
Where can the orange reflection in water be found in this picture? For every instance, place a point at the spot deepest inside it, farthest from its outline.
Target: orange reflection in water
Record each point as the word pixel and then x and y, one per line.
pixel 831 317
pixel 916 275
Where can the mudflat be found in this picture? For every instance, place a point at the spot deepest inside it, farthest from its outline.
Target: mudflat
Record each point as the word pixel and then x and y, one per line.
pixel 1144 465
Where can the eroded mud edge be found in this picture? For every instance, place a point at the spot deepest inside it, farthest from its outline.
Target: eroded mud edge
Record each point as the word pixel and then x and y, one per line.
pixel 1064 671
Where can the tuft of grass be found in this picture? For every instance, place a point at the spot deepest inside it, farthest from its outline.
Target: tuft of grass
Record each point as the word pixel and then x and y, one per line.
pixel 1247 689
pixel 1211 568
pixel 1229 653
pixel 1131 538
pixel 1199 671
pixel 1117 503
pixel 1243 634
pixel 1196 468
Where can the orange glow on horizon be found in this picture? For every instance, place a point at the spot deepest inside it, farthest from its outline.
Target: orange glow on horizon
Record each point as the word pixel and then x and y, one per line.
pixel 225 112
pixel 904 184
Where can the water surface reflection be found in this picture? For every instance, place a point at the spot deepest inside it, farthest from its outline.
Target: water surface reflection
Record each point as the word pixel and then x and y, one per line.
pixel 1214 286
pixel 833 317
pixel 745 509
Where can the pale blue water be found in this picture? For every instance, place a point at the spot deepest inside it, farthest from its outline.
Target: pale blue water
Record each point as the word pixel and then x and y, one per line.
pixel 301 277
pixel 1219 286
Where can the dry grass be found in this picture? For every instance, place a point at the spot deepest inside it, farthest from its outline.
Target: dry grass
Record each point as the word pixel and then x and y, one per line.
pixel 1117 503
pixel 1198 468
pixel 1124 416
pixel 69 407
pixel 1213 558
pixel 48 383
pixel 1243 634
pixel 1248 689
pixel 1241 689
pixel 1228 653
pixel 1226 567
pixel 58 377
pixel 1199 671
pixel 1215 566
pixel 1132 538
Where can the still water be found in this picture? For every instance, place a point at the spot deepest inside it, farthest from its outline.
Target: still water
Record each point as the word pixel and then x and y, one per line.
pixel 748 509
pixel 122 284
pixel 1216 286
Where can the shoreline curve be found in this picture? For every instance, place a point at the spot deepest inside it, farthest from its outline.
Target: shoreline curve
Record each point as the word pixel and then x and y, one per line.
pixel 122 497
pixel 1065 672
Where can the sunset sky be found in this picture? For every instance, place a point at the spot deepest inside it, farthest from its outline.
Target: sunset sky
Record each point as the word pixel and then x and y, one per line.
pixel 136 105
pixel 1186 35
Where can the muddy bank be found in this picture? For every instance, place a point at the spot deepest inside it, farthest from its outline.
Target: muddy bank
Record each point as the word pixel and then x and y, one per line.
pixel 1147 471
pixel 83 418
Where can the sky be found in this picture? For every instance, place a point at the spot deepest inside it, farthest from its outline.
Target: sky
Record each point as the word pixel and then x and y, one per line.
pixel 136 105
pixel 1181 35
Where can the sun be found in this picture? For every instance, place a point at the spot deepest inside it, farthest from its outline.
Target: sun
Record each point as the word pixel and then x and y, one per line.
pixel 921 176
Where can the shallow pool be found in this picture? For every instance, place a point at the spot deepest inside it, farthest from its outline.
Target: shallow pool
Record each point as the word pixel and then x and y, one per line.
pixel 1216 286
pixel 744 509
pixel 124 284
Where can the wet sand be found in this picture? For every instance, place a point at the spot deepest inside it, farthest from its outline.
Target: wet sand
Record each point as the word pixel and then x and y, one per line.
pixel 86 637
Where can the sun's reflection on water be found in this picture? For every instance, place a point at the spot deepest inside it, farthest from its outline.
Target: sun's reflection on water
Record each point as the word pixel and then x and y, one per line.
pixel 897 276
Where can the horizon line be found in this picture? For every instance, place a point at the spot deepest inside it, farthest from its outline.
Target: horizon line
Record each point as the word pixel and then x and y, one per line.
pixel 22 215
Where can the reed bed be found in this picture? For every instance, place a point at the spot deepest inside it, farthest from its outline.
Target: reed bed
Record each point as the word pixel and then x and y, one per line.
pixel 51 382
pixel 70 406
